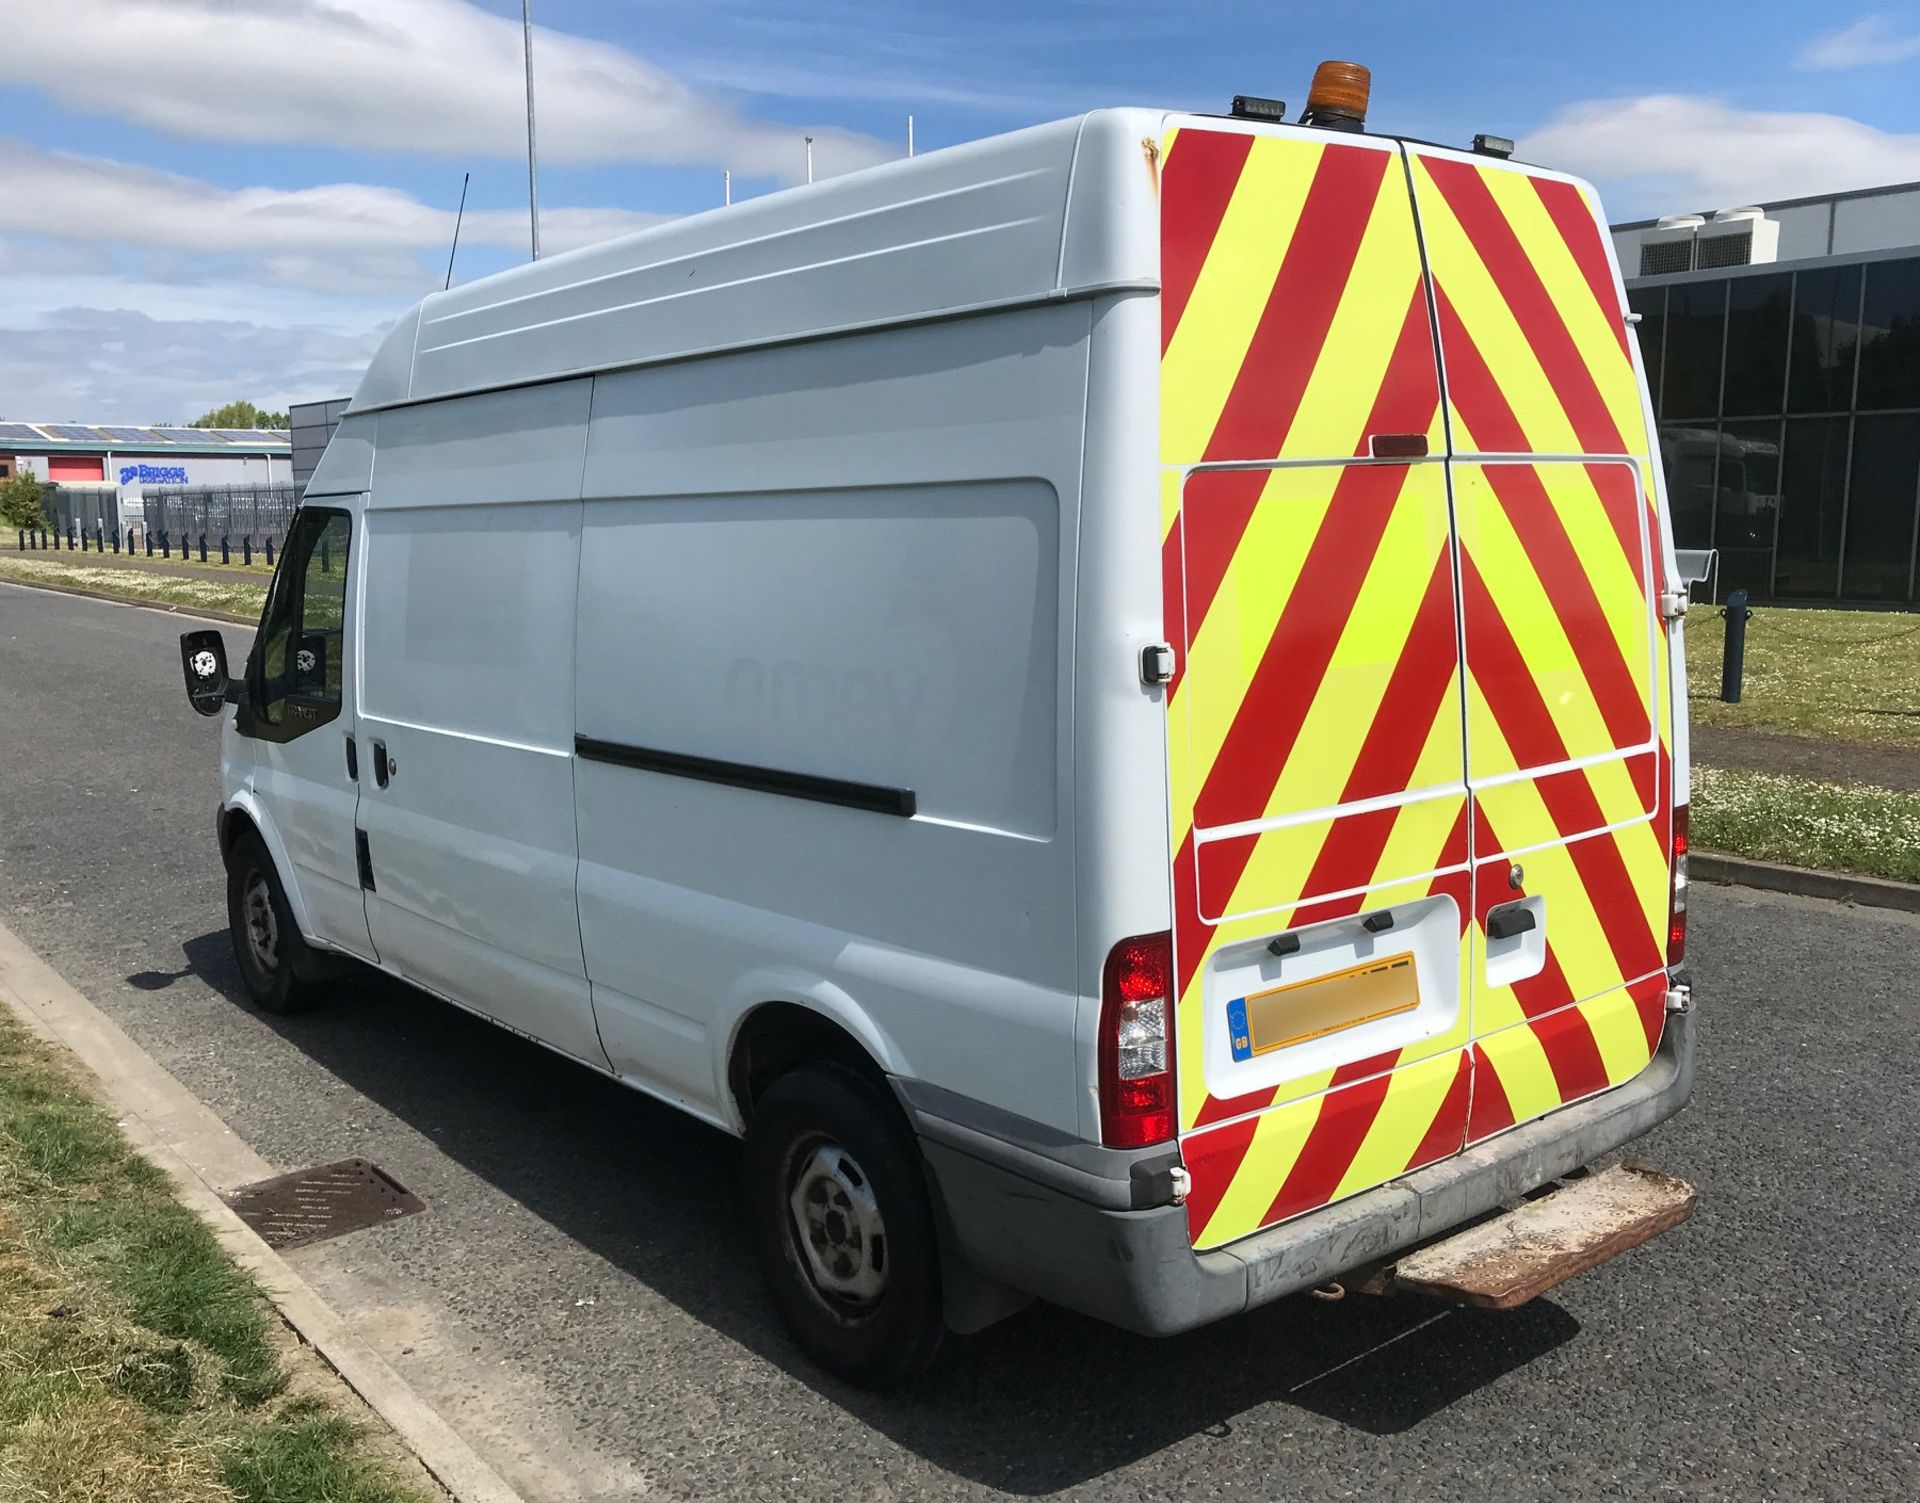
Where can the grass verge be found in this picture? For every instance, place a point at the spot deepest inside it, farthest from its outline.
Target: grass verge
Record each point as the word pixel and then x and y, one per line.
pixel 241 596
pixel 137 1363
pixel 1801 822
pixel 1844 675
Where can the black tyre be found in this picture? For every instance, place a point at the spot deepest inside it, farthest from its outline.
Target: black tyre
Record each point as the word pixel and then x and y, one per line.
pixel 274 960
pixel 843 1226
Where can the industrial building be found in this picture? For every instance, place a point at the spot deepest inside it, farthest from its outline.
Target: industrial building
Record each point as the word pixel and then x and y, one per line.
pixel 114 465
pixel 313 424
pixel 1782 343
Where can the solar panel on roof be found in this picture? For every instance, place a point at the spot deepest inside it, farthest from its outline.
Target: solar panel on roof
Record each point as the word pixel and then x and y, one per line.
pixel 131 435
pixel 18 433
pixel 191 435
pixel 73 432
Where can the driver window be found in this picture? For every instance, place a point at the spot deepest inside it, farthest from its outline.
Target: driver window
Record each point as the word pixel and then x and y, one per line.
pixel 303 637
pixel 323 614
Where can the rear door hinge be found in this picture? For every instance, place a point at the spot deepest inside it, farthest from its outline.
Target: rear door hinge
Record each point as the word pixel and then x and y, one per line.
pixel 1673 604
pixel 1157 663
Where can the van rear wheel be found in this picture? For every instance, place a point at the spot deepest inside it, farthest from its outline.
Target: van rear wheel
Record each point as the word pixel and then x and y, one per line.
pixel 843 1226
pixel 266 941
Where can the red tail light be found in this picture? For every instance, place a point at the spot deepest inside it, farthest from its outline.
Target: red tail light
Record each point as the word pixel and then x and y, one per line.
pixel 1136 1043
pixel 1677 903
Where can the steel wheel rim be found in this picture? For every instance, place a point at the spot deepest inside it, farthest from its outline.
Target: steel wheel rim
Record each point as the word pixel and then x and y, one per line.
pixel 261 923
pixel 835 1229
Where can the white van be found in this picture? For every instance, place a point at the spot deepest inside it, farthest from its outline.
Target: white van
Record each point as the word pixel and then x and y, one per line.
pixel 1111 699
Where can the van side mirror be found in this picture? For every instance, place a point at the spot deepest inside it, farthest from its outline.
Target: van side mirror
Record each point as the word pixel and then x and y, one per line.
pixel 203 658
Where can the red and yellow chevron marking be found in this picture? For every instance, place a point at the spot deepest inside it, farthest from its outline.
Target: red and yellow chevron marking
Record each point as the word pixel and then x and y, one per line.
pixel 1315 727
pixel 1565 664
pixel 1316 747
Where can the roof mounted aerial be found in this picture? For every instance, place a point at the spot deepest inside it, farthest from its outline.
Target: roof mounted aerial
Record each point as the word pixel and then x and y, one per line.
pixel 1338 98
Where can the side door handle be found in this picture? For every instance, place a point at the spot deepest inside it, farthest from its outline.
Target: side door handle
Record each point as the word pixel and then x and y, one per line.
pixel 353 761
pixel 382 769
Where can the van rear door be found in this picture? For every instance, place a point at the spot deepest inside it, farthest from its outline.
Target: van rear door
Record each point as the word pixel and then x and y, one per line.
pixel 1569 723
pixel 1319 806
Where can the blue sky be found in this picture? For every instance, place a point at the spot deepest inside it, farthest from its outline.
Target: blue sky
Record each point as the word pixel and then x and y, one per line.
pixel 207 199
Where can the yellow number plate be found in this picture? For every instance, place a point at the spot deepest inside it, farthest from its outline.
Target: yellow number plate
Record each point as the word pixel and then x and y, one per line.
pixel 1327 1004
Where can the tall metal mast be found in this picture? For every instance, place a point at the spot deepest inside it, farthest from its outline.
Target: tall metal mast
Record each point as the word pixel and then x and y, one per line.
pixel 533 175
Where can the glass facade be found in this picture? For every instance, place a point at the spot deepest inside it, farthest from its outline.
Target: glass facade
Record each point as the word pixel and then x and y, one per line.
pixel 1789 410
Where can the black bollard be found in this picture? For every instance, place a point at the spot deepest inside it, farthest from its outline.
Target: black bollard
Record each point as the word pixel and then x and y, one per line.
pixel 226 553
pixel 100 538
pixel 23 540
pixel 269 550
pixel 69 537
pixel 1733 661
pixel 149 544
pixel 203 547
pixel 86 543
pixel 326 560
pixel 246 549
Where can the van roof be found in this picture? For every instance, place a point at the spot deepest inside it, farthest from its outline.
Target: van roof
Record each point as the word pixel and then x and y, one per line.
pixel 1055 211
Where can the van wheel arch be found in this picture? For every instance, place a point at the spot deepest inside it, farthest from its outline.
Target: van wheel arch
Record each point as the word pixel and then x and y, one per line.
pixel 776 1037
pixel 235 823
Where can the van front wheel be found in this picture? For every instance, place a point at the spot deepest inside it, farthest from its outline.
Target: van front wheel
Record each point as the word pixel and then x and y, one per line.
pixel 843 1226
pixel 266 941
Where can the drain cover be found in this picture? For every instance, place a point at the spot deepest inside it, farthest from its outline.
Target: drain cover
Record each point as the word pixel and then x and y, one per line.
pixel 312 1205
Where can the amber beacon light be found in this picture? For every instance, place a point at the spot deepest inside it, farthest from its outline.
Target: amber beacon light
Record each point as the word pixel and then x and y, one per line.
pixel 1338 98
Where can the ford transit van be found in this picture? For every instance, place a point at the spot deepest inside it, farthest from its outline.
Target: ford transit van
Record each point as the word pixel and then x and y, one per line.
pixel 1111 699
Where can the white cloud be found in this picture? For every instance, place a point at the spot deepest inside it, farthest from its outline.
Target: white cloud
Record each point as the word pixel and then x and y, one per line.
pixel 113 365
pixel 1867 43
pixel 1667 152
pixel 132 294
pixel 338 236
pixel 423 76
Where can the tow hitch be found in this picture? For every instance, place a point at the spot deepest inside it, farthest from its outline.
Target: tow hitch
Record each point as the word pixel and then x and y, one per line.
pixel 1524 1252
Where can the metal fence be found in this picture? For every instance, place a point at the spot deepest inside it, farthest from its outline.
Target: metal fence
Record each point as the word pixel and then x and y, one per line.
pixel 233 523
pixel 240 513
pixel 81 509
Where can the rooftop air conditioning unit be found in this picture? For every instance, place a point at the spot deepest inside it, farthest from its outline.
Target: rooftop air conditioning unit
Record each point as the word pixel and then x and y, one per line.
pixel 1737 237
pixel 1668 246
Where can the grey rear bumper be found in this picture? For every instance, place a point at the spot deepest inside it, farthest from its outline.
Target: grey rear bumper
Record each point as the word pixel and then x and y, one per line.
pixel 1066 1236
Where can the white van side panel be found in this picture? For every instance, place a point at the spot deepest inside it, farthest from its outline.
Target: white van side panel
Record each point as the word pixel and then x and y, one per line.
pixel 842 559
pixel 468 685
pixel 501 447
pixel 346 466
pixel 904 636
pixel 1121 792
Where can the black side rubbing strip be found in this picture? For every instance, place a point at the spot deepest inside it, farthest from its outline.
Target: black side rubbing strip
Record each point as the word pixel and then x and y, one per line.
pixel 870 796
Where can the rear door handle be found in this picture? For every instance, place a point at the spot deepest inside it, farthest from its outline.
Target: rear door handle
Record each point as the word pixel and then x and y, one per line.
pixel 381 769
pixel 1509 920
pixel 353 761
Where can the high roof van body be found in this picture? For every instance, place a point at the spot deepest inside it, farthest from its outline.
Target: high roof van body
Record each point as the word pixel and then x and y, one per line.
pixel 1111 698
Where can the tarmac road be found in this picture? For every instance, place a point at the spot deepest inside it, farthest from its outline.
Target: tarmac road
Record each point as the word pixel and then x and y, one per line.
pixel 579 1300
